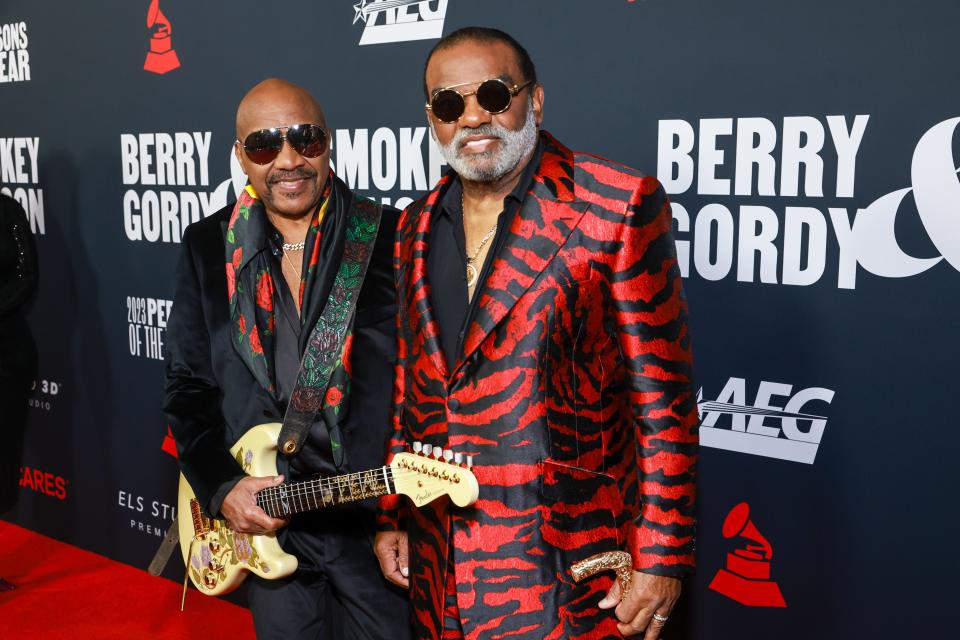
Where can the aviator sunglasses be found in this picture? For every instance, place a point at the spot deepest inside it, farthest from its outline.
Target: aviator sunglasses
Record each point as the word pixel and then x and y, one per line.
pixel 264 145
pixel 493 96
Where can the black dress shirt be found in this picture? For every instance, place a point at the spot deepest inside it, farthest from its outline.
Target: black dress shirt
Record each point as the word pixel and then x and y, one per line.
pixel 315 457
pixel 447 258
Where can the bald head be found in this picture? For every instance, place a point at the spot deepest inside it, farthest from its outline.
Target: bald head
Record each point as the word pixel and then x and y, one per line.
pixel 266 104
pixel 289 184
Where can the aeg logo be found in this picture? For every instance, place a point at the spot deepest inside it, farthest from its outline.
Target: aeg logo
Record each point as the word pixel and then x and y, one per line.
pixel 400 20
pixel 797 437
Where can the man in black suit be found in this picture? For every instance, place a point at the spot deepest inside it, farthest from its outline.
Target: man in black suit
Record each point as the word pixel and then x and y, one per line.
pixel 252 283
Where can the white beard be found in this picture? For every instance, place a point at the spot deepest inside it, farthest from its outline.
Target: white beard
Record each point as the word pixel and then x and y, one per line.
pixel 488 166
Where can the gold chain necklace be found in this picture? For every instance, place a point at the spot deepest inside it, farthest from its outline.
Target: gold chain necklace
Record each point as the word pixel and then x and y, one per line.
pixel 290 262
pixel 472 272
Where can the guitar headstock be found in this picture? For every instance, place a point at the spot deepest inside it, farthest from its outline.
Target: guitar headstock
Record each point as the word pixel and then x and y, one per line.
pixel 423 478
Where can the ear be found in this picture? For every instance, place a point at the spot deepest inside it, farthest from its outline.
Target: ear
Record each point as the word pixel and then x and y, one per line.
pixel 241 157
pixel 537 97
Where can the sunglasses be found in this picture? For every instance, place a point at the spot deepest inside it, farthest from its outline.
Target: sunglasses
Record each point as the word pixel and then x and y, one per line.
pixel 494 96
pixel 263 146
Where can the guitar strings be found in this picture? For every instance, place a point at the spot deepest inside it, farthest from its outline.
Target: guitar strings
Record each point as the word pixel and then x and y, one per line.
pixel 299 501
pixel 276 504
pixel 299 493
pixel 347 483
pixel 349 480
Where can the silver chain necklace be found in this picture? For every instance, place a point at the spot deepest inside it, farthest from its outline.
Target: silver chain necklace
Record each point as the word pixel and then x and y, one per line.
pixel 293 246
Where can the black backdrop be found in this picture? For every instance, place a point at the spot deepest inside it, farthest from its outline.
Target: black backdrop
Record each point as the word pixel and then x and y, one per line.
pixel 809 148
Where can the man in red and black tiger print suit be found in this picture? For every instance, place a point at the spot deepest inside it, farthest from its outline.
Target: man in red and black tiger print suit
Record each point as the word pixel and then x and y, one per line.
pixel 569 379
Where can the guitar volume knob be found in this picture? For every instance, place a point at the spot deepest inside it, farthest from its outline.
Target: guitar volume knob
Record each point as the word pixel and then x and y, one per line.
pixel 417 446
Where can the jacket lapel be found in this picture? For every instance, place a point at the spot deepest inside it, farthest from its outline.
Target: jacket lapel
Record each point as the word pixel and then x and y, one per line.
pixel 547 217
pixel 414 253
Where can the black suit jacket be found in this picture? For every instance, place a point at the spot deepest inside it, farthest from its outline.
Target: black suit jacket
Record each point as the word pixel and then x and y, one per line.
pixel 211 396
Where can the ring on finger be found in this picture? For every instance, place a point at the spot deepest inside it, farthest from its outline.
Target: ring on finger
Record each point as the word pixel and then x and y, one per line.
pixel 659 619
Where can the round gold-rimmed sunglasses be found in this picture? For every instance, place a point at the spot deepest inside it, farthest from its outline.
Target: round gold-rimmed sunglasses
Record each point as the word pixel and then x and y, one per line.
pixel 264 145
pixel 494 96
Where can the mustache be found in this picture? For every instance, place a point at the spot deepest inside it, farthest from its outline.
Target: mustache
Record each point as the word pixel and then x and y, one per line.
pixel 301 173
pixel 488 129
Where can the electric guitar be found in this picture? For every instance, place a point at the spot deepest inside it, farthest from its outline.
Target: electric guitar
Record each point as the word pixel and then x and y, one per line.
pixel 218 558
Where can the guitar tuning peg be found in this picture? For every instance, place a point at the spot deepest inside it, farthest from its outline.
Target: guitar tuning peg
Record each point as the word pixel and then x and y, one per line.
pixel 438 453
pixel 427 448
pixel 458 458
pixel 469 462
pixel 417 446
pixel 448 455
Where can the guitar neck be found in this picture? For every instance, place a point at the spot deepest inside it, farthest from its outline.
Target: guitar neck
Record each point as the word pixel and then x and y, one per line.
pixel 308 495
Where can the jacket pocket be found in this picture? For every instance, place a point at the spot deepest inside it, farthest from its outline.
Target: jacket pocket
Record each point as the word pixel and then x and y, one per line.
pixel 567 483
pixel 582 503
pixel 578 519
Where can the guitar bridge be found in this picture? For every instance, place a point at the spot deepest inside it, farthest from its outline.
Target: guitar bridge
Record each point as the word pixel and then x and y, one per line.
pixel 201 523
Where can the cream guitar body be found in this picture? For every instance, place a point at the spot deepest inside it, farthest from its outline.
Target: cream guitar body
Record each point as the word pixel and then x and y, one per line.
pixel 218 558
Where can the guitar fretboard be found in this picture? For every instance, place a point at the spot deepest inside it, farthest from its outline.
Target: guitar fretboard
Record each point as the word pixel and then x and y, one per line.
pixel 297 497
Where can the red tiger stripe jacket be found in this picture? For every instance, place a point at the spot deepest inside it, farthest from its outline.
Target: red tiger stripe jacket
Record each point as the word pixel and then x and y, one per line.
pixel 574 394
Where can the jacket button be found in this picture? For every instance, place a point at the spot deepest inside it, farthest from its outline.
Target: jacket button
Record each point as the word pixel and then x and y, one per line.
pixel 453 403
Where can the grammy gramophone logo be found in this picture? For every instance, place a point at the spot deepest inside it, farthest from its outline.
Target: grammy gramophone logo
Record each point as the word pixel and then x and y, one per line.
pixel 169 444
pixel 161 58
pixel 746 578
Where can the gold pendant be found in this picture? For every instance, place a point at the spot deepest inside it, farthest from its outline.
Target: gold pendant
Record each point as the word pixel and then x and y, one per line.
pixel 471 275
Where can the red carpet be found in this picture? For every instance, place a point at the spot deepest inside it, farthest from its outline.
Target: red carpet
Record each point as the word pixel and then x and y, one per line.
pixel 65 592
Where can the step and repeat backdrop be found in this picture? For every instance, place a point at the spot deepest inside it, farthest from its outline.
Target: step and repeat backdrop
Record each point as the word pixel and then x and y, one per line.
pixel 811 154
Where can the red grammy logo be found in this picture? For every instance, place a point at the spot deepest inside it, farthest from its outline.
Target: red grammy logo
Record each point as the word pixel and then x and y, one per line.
pixel 747 576
pixel 161 58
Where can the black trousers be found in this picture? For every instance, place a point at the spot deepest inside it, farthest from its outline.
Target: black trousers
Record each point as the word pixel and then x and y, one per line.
pixel 18 367
pixel 337 592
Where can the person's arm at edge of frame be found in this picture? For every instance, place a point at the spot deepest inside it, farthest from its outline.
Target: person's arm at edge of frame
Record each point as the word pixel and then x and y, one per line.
pixel 14 293
pixel 192 397
pixel 656 346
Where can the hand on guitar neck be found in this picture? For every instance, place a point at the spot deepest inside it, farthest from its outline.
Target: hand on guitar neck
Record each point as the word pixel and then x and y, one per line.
pixel 220 552
pixel 241 511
